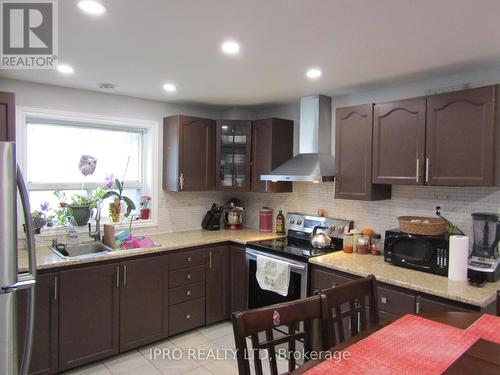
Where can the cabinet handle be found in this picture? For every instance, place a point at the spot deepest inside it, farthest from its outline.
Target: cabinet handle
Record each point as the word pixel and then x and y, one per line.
pixel 267 189
pixel 117 276
pixel 124 275
pixel 334 284
pixel 417 308
pixel 418 165
pixel 188 292
pixel 426 169
pixel 189 259
pixel 181 181
pixel 188 276
pixel 210 259
pixel 55 288
pixel 383 300
pixel 188 316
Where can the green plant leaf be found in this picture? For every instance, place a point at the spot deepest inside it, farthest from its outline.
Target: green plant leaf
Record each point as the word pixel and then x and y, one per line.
pixel 110 193
pixel 130 205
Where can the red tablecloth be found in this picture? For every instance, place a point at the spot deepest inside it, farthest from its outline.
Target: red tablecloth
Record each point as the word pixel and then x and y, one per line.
pixel 411 345
pixel 486 327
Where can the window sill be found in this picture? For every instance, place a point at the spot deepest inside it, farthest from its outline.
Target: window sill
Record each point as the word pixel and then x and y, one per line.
pixel 49 233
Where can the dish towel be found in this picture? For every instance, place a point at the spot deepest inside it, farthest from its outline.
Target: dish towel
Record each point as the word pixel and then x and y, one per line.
pixel 273 275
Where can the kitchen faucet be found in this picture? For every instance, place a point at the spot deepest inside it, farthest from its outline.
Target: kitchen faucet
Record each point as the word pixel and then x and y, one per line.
pixel 96 235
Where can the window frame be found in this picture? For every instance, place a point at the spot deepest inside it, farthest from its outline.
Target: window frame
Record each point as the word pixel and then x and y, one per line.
pixel 149 153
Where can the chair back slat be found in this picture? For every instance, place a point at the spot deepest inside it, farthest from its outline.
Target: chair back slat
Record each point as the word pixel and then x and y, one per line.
pixel 289 318
pixel 355 303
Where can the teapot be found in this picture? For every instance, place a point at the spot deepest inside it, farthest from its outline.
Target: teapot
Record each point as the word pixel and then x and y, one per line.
pixel 320 237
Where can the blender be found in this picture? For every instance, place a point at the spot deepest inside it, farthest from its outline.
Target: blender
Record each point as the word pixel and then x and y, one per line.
pixel 484 262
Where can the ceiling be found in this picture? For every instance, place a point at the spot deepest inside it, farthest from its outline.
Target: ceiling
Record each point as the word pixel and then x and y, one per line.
pixel 140 45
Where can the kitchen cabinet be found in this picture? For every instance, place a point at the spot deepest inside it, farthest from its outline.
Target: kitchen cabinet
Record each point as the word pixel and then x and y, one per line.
pixel 272 145
pixel 217 282
pixel 399 142
pixel 353 155
pixel 45 349
pixel 187 280
pixel 239 279
pixel 88 314
pixel 233 152
pixel 188 149
pixel 460 138
pixel 7 117
pixel 143 301
pixel 424 305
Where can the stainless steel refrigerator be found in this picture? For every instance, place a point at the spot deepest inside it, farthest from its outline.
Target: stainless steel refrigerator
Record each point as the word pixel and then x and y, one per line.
pixel 12 182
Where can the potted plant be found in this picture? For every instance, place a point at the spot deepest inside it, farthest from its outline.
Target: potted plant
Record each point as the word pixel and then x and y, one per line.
pixel 145 203
pixel 39 217
pixel 115 208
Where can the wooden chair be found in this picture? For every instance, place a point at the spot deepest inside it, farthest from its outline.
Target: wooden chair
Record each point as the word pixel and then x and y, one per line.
pixel 295 317
pixel 347 307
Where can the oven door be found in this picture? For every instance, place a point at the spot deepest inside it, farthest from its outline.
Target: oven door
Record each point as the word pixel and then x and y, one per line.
pixel 258 297
pixel 410 251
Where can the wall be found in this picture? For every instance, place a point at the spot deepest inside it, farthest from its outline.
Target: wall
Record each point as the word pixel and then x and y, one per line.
pixel 457 203
pixel 176 210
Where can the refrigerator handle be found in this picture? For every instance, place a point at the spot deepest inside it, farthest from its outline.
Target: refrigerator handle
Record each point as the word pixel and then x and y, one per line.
pixel 30 233
pixel 30 277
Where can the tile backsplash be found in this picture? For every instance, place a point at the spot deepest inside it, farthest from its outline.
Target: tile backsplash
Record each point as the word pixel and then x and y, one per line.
pixel 457 204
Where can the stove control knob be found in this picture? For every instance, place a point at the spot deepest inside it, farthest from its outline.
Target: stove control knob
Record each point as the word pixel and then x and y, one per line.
pixel 299 222
pixel 341 229
pixel 332 228
pixel 291 221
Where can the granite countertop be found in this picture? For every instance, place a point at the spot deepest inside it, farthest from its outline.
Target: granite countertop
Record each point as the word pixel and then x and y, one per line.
pixel 47 259
pixel 364 265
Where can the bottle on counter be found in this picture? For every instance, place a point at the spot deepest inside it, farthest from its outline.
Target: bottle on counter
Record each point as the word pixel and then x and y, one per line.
pixel 348 247
pixel 363 245
pixel 356 234
pixel 266 219
pixel 280 223
pixel 376 246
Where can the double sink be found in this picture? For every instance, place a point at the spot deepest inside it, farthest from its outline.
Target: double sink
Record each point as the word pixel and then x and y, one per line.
pixel 81 251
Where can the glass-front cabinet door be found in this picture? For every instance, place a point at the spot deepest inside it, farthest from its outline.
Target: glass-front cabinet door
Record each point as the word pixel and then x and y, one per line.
pixel 233 155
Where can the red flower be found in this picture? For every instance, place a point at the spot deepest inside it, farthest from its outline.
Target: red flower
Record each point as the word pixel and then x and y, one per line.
pixel 62 204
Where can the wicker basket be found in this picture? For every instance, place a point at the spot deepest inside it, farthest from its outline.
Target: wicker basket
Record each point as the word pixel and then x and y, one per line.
pixel 431 226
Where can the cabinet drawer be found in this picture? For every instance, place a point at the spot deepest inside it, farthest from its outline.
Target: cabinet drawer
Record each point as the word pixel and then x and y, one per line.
pixel 186 276
pixel 395 302
pixel 186 316
pixel 323 279
pixel 186 293
pixel 186 259
pixel 427 305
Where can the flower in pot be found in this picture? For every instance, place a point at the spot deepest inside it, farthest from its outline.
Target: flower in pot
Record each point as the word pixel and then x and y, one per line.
pixel 40 217
pixel 115 208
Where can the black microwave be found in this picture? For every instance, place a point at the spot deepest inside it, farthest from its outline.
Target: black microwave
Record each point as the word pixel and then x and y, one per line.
pixel 418 252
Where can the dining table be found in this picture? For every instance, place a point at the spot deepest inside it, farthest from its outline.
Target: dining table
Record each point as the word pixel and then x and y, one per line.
pixel 481 358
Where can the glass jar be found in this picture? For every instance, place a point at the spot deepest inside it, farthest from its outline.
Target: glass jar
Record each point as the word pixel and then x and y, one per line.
pixel 363 245
pixel 348 245
pixel 356 234
pixel 376 246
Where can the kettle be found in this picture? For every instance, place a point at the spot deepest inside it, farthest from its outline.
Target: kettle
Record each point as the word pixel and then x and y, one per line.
pixel 320 237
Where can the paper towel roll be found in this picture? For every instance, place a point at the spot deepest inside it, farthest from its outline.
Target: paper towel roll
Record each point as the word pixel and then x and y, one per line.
pixel 459 256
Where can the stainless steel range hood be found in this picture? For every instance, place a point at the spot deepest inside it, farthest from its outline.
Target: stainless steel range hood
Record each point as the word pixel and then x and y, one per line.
pixel 315 161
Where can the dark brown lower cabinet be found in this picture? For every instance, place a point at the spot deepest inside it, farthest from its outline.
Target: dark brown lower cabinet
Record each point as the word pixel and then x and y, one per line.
pixel 88 314
pixel 143 301
pixel 44 355
pixel 217 280
pixel 239 279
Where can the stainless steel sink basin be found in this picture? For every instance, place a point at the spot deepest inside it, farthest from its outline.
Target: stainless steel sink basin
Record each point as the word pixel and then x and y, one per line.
pixel 83 250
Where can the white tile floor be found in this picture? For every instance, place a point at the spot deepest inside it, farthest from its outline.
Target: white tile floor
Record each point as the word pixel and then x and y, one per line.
pixel 181 350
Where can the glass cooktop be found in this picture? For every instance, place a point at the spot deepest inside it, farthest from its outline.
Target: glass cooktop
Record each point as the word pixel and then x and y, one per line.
pixel 290 249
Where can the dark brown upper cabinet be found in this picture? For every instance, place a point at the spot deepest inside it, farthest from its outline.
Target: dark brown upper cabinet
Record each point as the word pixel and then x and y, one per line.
pixel 45 349
pixel 460 138
pixel 353 155
pixel 272 145
pixel 232 155
pixel 7 122
pixel 399 142
pixel 217 284
pixel 143 301
pixel 88 314
pixel 188 149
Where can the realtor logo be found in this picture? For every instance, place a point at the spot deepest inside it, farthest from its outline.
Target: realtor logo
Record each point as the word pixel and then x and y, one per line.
pixel 28 34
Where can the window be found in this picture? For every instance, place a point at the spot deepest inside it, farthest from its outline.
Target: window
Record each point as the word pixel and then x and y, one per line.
pixel 55 142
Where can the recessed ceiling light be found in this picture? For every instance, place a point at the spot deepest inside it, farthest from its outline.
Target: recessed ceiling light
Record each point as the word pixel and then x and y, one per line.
pixel 313 73
pixel 169 87
pixel 65 69
pixel 91 7
pixel 230 47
